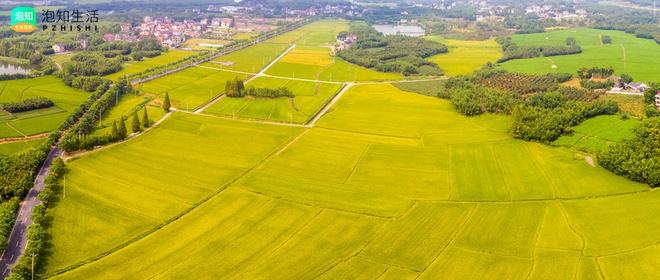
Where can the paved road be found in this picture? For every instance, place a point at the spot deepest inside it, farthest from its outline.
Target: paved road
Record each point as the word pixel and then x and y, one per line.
pixel 18 236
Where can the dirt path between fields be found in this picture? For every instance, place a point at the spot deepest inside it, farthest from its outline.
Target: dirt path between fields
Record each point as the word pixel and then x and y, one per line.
pixel 24 138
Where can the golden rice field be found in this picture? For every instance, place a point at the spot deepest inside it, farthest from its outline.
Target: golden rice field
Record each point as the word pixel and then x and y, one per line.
pixel 387 185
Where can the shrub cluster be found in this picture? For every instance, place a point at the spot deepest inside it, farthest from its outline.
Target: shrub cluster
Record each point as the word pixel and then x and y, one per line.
pixel 638 158
pixel 236 88
pixel 27 105
pixel 476 100
pixel 269 92
pixel 595 72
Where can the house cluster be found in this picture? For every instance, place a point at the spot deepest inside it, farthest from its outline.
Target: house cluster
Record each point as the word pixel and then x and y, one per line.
pixel 344 41
pixel 657 99
pixel 558 13
pixel 169 32
pixel 634 88
pixel 61 48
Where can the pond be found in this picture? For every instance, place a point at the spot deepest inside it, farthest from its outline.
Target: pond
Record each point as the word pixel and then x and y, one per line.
pixel 408 30
pixel 13 68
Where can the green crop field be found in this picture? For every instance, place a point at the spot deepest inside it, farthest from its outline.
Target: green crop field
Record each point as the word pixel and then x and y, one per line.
pixel 33 122
pixel 7 149
pixel 140 66
pixel 464 57
pixel 596 134
pixel 388 184
pixel 637 57
pixel 308 100
pixel 312 58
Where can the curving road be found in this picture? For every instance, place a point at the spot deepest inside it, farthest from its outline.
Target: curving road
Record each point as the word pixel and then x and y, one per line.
pixel 18 237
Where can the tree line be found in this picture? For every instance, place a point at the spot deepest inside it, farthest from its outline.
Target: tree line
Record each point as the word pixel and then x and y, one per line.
pixel 28 104
pixel 512 50
pixel 236 88
pixel 36 233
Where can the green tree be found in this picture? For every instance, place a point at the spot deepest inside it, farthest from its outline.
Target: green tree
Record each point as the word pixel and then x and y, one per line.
pixel 114 131
pixel 166 102
pixel 121 130
pixel 145 118
pixel 136 126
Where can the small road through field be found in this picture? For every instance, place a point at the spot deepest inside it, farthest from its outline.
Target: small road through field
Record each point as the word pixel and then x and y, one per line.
pixel 18 237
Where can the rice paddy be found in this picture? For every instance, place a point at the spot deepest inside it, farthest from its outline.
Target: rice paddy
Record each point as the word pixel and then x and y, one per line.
pixel 308 100
pixel 388 184
pixel 628 54
pixel 596 134
pixel 39 121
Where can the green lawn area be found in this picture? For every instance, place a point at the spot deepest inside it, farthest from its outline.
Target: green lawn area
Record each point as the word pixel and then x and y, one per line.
pixel 66 100
pixel 134 67
pixel 389 183
pixel 464 57
pixel 309 99
pixel 637 57
pixel 596 134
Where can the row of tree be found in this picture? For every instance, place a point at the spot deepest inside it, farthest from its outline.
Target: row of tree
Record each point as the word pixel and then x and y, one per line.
pixel 595 72
pixel 512 50
pixel 36 234
pixel 28 104
pixel 236 88
pixel 86 124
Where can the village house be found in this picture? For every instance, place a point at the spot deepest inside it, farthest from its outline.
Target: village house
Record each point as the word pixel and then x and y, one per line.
pixel 636 87
pixel 226 22
pixel 58 48
pixel 84 43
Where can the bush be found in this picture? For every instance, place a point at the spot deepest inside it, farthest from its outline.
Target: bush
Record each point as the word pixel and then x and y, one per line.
pixel 27 105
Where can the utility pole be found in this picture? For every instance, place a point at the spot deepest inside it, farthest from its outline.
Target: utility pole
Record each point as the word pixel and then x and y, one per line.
pixel 32 266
